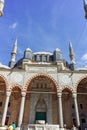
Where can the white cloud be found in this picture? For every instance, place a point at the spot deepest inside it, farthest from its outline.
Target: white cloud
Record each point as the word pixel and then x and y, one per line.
pixel 84 57
pixel 83 61
pixel 13 26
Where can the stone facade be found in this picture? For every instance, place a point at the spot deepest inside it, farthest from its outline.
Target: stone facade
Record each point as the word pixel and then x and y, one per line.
pixel 33 91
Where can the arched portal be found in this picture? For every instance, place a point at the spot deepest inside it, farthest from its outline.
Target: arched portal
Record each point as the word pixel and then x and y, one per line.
pixel 42 94
pixel 2 95
pixel 82 101
pixel 67 107
pixel 40 110
pixel 14 103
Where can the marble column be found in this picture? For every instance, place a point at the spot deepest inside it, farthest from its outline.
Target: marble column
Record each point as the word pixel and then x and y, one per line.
pixel 6 107
pixel 76 109
pixel 59 95
pixel 21 109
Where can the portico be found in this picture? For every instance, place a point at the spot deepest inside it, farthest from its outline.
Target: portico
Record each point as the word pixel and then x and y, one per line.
pixel 42 90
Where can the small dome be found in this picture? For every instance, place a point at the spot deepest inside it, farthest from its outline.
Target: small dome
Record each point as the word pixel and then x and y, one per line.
pixel 57 49
pixel 2 1
pixel 28 49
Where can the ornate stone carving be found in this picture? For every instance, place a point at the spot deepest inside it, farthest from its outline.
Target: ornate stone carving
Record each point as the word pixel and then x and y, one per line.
pixel 64 80
pixel 17 77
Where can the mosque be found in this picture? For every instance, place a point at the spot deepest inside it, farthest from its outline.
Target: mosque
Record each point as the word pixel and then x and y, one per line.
pixel 43 91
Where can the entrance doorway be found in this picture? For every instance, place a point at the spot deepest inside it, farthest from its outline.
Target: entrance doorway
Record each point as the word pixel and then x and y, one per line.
pixel 41 105
pixel 41 116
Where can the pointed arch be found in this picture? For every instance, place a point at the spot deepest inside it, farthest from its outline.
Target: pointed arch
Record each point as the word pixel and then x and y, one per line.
pixel 77 83
pixel 16 85
pixel 15 91
pixel 45 76
pixel 5 80
pixel 41 105
pixel 68 88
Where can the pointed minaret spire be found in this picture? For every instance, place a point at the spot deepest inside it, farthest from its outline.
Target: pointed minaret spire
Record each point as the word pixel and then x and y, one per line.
pixel 14 52
pixel 72 58
pixel 13 55
pixel 85 8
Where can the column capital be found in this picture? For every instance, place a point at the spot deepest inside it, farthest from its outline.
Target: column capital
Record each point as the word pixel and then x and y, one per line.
pixel 8 93
pixel 74 95
pixel 23 94
pixel 59 94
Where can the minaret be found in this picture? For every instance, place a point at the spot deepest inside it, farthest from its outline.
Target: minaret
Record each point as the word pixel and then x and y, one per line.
pixel 13 55
pixel 71 54
pixel 85 8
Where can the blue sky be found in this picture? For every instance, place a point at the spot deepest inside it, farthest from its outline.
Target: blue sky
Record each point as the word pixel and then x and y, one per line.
pixel 44 25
